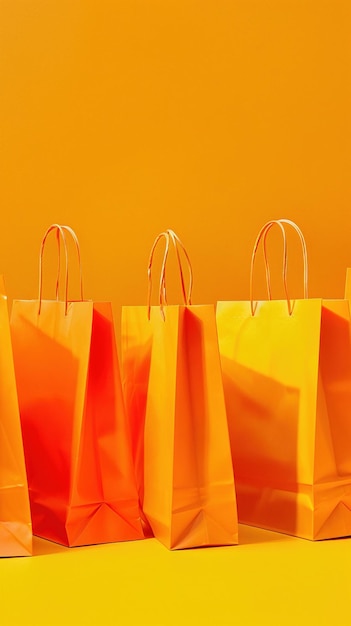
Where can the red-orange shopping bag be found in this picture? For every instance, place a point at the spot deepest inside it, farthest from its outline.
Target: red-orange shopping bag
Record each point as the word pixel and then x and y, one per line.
pixel 77 444
pixel 287 379
pixel 15 519
pixel 175 401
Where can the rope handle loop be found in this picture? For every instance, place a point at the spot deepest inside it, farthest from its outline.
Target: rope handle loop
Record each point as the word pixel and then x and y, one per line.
pixel 304 255
pixel 261 237
pixel 170 237
pixel 60 231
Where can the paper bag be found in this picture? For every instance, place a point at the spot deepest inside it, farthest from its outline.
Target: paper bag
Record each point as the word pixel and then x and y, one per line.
pixel 287 379
pixel 174 396
pixel 15 519
pixel 76 439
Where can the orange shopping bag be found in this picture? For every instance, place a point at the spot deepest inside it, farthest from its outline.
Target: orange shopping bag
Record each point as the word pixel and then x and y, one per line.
pixel 15 519
pixel 287 379
pixel 174 395
pixel 76 439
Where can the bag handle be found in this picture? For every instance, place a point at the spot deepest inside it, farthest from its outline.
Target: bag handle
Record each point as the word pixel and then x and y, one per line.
pixel 177 244
pixel 304 255
pixel 77 246
pixel 262 236
pixel 60 230
pixel 170 236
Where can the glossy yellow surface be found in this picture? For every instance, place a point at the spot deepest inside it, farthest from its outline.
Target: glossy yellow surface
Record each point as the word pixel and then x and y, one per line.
pixel 269 579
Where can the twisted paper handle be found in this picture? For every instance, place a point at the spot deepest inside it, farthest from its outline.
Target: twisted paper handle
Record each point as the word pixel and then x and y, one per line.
pixel 170 236
pixel 262 235
pixel 60 230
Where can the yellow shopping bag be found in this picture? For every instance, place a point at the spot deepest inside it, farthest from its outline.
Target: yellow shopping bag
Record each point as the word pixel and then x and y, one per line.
pixel 175 402
pixel 76 438
pixel 15 519
pixel 287 379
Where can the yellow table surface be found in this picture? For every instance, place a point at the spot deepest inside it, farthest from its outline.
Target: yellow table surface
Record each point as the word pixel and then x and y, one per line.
pixel 268 579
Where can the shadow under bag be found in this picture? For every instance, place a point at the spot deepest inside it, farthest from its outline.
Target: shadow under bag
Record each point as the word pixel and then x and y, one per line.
pixel 287 379
pixel 175 402
pixel 15 519
pixel 76 439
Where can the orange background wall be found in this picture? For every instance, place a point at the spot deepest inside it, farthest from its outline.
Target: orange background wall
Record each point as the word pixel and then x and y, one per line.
pixel 125 117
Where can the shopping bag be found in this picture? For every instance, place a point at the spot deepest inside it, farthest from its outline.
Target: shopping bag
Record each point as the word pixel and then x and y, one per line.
pixel 287 379
pixel 175 402
pixel 15 519
pixel 76 439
